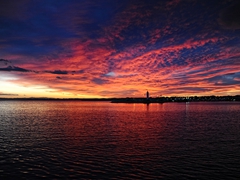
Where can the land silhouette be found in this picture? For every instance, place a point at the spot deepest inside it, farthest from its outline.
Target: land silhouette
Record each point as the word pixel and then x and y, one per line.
pixel 139 99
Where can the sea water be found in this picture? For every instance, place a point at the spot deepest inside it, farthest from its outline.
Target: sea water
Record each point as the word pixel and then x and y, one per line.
pixel 101 140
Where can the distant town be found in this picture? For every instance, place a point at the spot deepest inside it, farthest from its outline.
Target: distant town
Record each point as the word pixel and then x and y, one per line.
pixel 144 100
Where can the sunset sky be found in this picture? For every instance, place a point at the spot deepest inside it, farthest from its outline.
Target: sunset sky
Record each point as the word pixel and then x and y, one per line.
pixel 119 48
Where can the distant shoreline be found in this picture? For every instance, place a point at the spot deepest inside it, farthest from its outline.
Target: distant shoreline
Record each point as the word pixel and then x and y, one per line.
pixel 136 100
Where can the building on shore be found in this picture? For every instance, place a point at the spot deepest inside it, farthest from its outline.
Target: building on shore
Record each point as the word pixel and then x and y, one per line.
pixel 147 95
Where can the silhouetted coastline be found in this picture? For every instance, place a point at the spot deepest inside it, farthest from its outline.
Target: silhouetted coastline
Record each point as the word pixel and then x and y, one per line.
pixel 177 99
pixel 138 100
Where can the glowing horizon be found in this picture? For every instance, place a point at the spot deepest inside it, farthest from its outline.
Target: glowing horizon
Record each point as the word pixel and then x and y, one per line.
pixel 84 49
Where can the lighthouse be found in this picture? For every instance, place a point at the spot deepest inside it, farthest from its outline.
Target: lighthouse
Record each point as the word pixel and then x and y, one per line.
pixel 147 95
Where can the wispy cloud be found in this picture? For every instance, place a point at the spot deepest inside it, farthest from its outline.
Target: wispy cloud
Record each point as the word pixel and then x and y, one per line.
pixel 119 48
pixel 4 94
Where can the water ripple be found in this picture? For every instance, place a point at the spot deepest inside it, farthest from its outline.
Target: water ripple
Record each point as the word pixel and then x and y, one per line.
pixel 119 141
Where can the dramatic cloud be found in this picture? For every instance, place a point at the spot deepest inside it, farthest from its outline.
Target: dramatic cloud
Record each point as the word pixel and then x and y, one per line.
pixel 119 48
pixel 57 72
pixel 99 81
pixel 6 65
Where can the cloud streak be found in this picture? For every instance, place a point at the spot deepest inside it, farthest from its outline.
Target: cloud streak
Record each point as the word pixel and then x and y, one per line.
pixel 122 48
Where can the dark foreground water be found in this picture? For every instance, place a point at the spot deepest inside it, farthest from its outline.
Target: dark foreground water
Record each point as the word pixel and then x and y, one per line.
pixel 100 140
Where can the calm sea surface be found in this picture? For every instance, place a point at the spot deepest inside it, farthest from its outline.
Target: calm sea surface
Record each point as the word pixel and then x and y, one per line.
pixel 100 140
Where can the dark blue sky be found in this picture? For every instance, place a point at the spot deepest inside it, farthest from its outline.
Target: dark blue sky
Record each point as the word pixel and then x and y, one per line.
pixel 79 48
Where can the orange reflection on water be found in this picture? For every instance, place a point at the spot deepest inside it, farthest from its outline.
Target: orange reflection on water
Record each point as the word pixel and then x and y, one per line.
pixel 90 137
pixel 126 128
